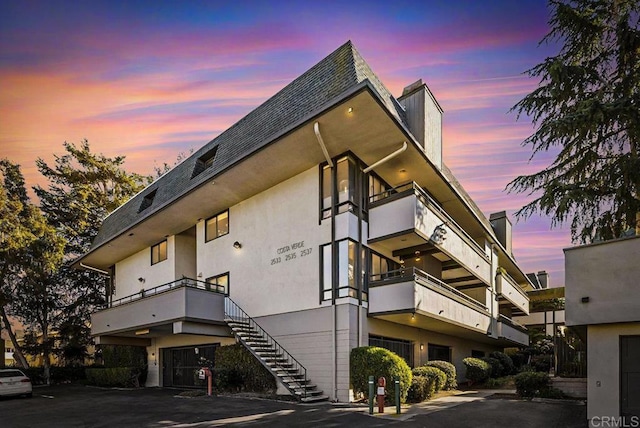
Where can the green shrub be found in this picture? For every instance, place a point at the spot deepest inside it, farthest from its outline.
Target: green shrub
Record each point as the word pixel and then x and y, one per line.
pixel 118 356
pixel 422 388
pixel 433 374
pixel 495 383
pixel 67 374
pixel 477 370
pixel 378 362
pixel 449 370
pixel 506 362
pixel 236 369
pixel 496 367
pixel 552 393
pixel 113 376
pixel 531 384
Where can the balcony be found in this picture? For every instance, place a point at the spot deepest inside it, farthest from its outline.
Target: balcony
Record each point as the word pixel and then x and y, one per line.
pixel 169 308
pixel 508 289
pixel 512 331
pixel 413 297
pixel 407 217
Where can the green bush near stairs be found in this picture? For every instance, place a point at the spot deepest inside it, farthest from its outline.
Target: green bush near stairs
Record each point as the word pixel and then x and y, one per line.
pixel 373 361
pixel 237 370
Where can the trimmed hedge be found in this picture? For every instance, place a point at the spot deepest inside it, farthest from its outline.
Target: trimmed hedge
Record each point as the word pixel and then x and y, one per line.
pixel 237 370
pixel 477 370
pixel 378 362
pixel 434 375
pixel 422 388
pixel 496 367
pixel 57 374
pixel 506 362
pixel 113 376
pixel 449 370
pixel 532 384
pixel 119 356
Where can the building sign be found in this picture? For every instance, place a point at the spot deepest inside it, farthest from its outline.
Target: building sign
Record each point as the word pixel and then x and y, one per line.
pixel 290 252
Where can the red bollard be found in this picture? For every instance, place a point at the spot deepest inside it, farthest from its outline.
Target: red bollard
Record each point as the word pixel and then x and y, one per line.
pixel 205 372
pixel 382 383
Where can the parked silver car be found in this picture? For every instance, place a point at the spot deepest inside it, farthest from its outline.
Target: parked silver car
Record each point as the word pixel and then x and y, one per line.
pixel 14 382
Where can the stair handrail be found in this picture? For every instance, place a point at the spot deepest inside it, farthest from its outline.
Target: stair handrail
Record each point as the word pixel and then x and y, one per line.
pixel 230 306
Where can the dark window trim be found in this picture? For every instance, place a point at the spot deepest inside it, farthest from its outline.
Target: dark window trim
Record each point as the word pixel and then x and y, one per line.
pixel 166 252
pixel 435 345
pixel 206 237
pixel 227 274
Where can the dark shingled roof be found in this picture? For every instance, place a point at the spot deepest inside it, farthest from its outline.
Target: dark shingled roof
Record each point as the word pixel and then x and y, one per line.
pixel 325 82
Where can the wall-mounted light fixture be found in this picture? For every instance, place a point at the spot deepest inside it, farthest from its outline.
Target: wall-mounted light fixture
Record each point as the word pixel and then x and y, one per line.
pixel 350 110
pixel 585 299
pixel 413 316
pixel 237 245
pixel 142 280
pixel 441 312
pixel 422 346
pixel 199 274
pixel 417 256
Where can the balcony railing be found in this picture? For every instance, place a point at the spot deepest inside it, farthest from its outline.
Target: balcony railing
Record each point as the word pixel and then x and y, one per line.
pixel 412 187
pixel 513 283
pixel 426 280
pixel 173 285
pixel 508 321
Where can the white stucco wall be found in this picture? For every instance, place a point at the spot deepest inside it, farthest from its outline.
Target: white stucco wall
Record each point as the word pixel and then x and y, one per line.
pixel 607 274
pixel 269 274
pixel 139 266
pixel 603 367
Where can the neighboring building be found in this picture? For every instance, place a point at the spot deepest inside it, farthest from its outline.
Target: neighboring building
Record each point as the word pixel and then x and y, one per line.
pixel 603 299
pixel 328 217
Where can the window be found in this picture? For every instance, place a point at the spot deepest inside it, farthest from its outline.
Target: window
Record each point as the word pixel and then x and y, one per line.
pixel 159 252
pixel 477 354
pixel 439 352
pixel 346 175
pixel 217 226
pixel 404 348
pixel 381 266
pixel 377 187
pixel 147 200
pixel 345 264
pixel 204 162
pixel 219 283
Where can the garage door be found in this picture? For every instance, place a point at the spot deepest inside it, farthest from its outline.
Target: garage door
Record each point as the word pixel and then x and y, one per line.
pixel 630 376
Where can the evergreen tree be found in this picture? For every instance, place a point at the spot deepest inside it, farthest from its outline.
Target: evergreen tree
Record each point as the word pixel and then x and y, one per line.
pixel 27 245
pixel 587 107
pixel 84 187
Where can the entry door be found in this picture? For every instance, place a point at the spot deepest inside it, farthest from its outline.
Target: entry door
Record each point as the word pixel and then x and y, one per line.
pixel 629 375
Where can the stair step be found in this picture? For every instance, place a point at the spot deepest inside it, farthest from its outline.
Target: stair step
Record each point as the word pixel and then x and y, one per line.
pixel 303 387
pixel 309 393
pixel 313 399
pixel 282 364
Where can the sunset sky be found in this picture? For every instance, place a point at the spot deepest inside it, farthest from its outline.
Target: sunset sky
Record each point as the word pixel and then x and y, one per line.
pixel 152 79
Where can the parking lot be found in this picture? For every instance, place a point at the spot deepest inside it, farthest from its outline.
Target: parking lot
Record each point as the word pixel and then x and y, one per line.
pixel 80 406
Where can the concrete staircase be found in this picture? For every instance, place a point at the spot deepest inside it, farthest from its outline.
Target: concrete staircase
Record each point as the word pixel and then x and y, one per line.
pixel 271 354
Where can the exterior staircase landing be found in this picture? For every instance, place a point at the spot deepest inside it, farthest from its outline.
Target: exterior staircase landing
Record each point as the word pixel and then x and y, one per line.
pixel 271 354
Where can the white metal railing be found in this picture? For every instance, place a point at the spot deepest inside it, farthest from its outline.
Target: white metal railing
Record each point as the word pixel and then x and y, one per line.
pixel 173 285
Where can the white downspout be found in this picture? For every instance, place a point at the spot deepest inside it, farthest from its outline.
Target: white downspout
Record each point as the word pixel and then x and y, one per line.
pixel 316 129
pixel 104 272
pixel 386 158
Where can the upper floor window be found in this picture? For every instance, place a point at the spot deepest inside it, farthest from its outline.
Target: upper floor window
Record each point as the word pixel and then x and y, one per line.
pixel 346 174
pixel 147 200
pixel 205 161
pixel 219 283
pixel 159 252
pixel 217 226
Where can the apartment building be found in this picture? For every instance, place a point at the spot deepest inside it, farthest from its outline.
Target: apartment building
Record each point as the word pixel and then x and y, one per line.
pixel 323 220
pixel 602 300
